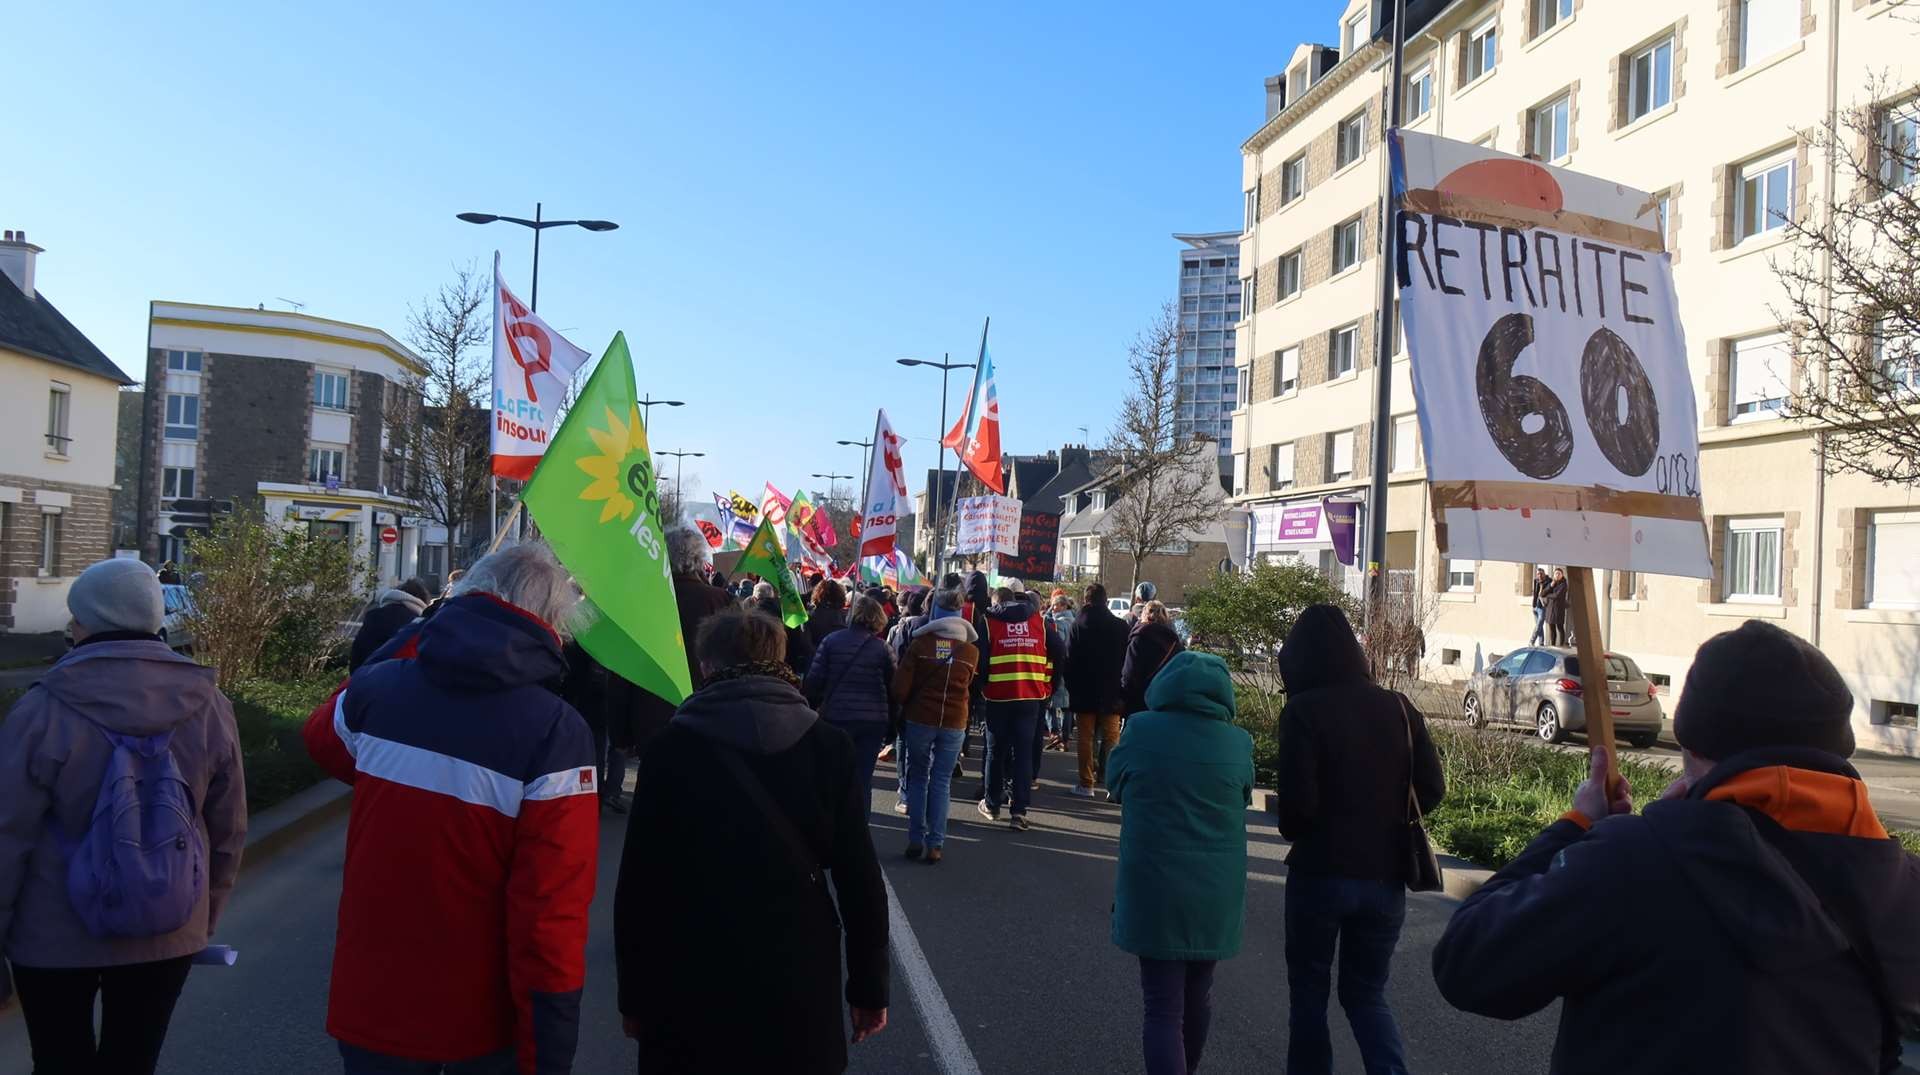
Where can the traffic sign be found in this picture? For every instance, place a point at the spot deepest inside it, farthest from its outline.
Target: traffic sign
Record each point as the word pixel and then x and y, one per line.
pixel 389 536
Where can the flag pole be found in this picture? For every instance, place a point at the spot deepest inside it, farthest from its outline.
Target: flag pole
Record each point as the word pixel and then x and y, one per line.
pixel 979 360
pixel 1376 579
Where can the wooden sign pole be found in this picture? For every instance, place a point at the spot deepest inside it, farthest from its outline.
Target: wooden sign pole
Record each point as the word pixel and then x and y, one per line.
pixel 1594 695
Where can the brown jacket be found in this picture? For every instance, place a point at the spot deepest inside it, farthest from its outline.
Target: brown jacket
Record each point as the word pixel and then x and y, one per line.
pixel 936 673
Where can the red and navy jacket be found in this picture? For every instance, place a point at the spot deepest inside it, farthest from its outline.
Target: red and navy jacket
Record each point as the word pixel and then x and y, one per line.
pixel 473 843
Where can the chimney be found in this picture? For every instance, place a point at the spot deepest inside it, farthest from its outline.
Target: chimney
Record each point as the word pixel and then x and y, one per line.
pixel 16 260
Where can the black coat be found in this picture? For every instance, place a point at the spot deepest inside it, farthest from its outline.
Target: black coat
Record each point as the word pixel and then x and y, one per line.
pixel 824 621
pixel 1149 648
pixel 1344 763
pixel 729 955
pixel 1554 600
pixel 696 600
pixel 851 678
pixel 1095 661
pixel 799 646
pixel 376 627
pixel 1746 971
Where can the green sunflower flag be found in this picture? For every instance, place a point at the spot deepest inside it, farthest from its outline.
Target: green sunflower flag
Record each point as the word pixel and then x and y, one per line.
pixel 598 505
pixel 763 557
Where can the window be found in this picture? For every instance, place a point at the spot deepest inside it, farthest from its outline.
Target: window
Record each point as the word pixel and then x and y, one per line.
pixel 176 482
pixel 1650 79
pixel 1896 714
pixel 1757 367
pixel 1287 378
pixel 1296 82
pixel 1548 14
pixel 1356 36
pixel 1626 584
pixel 1252 211
pixel 324 464
pixel 1460 575
pixel 49 545
pixel 1765 27
pixel 1897 357
pixel 1280 466
pixel 1247 289
pixel 1752 560
pixel 1763 196
pixel 1419 94
pixel 1482 50
pixel 1405 444
pixel 1340 350
pixel 1346 245
pixel 59 408
pixel 184 361
pixel 1099 500
pixel 1663 211
pixel 1246 384
pixel 1340 456
pixel 1547 130
pixel 1293 179
pixel 183 416
pixel 1537 662
pixel 1893 560
pixel 1350 140
pixel 1899 145
pixel 1289 268
pixel 330 390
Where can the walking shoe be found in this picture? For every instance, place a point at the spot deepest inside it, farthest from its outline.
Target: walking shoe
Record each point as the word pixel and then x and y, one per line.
pixel 914 851
pixel 1083 792
pixel 615 803
pixel 991 813
pixel 886 752
pixel 900 807
pixel 1019 823
pixel 933 856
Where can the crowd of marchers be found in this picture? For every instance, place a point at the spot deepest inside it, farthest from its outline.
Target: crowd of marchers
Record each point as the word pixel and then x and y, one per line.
pixel 484 745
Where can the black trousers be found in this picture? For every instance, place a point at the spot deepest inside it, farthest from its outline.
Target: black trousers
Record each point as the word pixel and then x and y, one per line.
pixel 136 1002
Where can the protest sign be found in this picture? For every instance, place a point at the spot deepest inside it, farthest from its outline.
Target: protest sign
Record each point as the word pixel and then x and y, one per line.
pixel 988 524
pixel 1038 547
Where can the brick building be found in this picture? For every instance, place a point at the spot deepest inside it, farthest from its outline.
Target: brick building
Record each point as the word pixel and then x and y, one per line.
pixel 1086 522
pixel 59 398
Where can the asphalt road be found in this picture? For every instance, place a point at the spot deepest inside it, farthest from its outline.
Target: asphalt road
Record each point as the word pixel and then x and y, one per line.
pixel 1013 927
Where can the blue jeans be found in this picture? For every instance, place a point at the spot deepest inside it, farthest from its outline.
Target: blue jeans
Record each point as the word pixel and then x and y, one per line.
pixel 867 735
pixel 1011 728
pixel 1539 625
pixel 1178 996
pixel 1364 917
pixel 927 761
pixel 357 1061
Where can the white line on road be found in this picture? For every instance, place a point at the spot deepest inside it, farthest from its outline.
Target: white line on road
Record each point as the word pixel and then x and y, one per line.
pixel 950 1049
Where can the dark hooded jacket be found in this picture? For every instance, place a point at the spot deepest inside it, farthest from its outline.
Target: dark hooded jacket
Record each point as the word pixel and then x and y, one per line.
pixel 851 678
pixel 1015 612
pixel 695 600
pixel 799 644
pixel 1095 661
pixel 1149 647
pixel 824 621
pixel 1344 758
pixel 714 908
pixel 392 610
pixel 1747 971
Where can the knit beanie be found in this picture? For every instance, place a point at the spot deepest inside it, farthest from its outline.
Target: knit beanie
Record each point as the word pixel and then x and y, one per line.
pixel 117 595
pixel 1761 686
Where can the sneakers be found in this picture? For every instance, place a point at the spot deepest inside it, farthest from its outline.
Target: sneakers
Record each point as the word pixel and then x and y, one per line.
pixel 1019 823
pixel 900 807
pixel 1083 792
pixel 914 851
pixel 991 813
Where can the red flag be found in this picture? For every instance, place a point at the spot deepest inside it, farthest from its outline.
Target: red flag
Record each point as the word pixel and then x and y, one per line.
pixel 712 533
pixel 977 435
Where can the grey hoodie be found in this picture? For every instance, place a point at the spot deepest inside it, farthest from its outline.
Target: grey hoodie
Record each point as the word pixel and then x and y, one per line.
pixel 51 761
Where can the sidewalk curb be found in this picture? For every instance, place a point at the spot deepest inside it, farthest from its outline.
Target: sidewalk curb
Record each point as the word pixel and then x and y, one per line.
pixel 281 825
pixel 1459 877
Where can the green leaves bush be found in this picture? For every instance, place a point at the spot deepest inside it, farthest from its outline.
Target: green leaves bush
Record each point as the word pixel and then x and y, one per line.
pixel 1245 616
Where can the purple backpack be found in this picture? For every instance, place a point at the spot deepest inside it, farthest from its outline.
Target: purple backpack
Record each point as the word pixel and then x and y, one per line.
pixel 140 867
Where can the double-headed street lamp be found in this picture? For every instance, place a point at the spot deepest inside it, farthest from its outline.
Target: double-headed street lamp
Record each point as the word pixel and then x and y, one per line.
pixel 679 460
pixel 538 225
pixel 945 366
pixel 831 478
pixel 866 468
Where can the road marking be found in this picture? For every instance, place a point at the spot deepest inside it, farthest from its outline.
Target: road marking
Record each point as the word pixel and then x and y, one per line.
pixel 950 1050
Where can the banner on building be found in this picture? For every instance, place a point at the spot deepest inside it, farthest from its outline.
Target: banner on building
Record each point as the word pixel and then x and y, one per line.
pixel 1556 408
pixel 886 497
pixel 532 367
pixel 1038 549
pixel 987 524
pixel 1343 518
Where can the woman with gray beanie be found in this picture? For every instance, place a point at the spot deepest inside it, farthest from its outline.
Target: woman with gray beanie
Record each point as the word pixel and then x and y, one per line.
pixel 119 700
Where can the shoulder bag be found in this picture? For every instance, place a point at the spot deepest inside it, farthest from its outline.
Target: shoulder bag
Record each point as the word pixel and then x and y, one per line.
pixel 798 850
pixel 1423 867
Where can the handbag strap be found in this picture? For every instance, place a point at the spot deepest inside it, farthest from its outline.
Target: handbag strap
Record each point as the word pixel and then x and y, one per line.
pixel 1842 910
pixel 1413 799
pixel 797 848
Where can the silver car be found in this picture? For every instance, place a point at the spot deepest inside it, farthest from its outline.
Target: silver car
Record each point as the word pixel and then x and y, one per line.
pixel 1539 687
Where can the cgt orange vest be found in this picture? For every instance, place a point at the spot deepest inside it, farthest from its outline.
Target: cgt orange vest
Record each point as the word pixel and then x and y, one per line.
pixel 1018 668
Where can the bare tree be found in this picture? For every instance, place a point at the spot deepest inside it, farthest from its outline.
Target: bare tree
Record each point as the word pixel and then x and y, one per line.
pixel 1853 292
pixel 438 423
pixel 1162 490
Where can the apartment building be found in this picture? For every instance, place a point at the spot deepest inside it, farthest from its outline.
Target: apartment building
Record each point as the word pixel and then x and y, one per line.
pixel 1702 102
pixel 1209 308
pixel 282 409
pixel 59 402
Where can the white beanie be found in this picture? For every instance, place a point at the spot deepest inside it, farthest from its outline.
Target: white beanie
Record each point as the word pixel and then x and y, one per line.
pixel 117 595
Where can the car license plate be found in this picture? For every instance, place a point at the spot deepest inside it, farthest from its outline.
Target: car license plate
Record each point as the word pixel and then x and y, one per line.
pixel 1621 696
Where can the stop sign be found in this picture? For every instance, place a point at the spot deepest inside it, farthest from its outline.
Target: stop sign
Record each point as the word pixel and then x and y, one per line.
pixel 389 536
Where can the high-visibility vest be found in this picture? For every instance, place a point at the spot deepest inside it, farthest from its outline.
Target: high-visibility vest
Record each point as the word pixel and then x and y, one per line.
pixel 1018 668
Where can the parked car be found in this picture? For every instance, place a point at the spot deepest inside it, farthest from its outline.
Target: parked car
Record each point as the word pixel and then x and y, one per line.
pixel 1119 606
pixel 1539 687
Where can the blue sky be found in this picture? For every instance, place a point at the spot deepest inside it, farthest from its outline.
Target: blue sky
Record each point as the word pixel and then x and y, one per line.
pixel 804 192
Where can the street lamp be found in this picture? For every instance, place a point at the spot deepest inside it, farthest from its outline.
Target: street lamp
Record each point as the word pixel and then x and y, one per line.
pixel 831 478
pixel 538 225
pixel 648 403
pixel 945 366
pixel 866 467
pixel 679 460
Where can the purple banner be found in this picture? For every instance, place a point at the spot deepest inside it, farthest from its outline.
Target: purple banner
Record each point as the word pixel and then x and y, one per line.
pixel 1301 523
pixel 1342 515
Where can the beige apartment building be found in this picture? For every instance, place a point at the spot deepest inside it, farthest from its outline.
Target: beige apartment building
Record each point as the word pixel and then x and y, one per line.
pixel 1699 101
